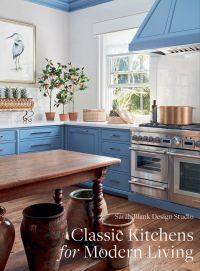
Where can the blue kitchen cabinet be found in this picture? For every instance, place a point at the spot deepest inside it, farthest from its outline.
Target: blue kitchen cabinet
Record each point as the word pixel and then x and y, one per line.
pixel 8 142
pixel 40 132
pixel 116 143
pixel 83 139
pixel 36 139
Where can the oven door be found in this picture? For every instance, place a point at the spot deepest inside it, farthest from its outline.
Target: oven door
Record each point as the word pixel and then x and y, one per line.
pixel 185 178
pixel 150 163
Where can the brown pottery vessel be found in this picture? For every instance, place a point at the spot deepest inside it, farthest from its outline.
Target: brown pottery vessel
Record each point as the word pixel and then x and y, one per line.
pixel 7 237
pixel 118 222
pixel 80 213
pixel 73 116
pixel 50 115
pixel 43 231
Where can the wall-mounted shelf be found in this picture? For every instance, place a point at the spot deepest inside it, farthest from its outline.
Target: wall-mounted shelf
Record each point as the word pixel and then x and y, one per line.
pixel 16 104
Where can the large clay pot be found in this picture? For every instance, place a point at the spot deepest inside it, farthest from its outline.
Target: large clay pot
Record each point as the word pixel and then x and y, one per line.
pixel 43 231
pixel 7 237
pixel 73 116
pixel 50 115
pixel 80 213
pixel 113 223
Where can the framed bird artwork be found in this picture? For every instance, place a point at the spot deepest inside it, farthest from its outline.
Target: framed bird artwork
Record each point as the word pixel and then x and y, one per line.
pixel 17 52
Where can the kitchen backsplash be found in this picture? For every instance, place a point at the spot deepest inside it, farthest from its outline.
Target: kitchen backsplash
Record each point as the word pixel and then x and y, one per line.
pixel 176 80
pixel 41 104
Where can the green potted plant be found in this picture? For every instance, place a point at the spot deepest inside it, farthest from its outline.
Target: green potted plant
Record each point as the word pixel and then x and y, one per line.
pixel 7 93
pixel 23 93
pixel 15 93
pixel 63 97
pixel 77 80
pixel 49 81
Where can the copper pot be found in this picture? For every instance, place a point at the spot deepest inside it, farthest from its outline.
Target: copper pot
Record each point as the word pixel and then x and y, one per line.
pixel 179 115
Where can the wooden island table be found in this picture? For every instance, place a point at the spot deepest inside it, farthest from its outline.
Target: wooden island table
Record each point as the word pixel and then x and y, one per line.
pixel 28 174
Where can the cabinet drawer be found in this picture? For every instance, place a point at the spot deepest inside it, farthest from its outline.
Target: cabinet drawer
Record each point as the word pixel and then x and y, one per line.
pixel 112 148
pixel 115 135
pixel 7 148
pixel 82 130
pixel 117 180
pixel 83 139
pixel 124 166
pixel 44 132
pixel 7 135
pixel 39 145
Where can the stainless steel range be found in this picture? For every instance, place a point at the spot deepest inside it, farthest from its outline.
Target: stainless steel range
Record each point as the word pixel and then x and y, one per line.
pixel 166 163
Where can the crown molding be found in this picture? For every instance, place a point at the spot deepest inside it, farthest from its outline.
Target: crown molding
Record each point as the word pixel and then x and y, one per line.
pixel 69 5
pixel 81 4
pixel 56 4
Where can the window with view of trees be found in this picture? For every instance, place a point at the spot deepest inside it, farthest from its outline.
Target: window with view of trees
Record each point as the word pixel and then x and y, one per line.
pixel 128 82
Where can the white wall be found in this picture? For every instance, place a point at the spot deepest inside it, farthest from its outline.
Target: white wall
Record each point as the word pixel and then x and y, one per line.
pixel 176 80
pixel 83 45
pixel 51 42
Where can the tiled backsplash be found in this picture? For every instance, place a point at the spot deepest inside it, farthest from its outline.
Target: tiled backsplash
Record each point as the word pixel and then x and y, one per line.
pixel 176 80
pixel 41 105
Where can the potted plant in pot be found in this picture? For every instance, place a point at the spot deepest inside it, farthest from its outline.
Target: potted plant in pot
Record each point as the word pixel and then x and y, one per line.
pixel 63 97
pixel 77 80
pixel 49 81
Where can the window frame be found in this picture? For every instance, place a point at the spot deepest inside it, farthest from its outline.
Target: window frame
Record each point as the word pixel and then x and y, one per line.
pixel 109 73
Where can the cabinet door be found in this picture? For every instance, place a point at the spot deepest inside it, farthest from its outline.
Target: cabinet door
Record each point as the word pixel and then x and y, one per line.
pixel 82 139
pixel 117 181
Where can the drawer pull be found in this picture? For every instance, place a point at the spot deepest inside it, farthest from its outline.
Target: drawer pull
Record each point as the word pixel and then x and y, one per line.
pixel 1 136
pixel 114 149
pixel 40 145
pixel 115 181
pixel 84 131
pixel 39 133
pixel 114 135
pixel 1 149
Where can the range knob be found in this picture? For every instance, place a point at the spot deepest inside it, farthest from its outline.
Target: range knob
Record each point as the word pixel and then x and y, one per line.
pixel 176 141
pixel 145 138
pixel 135 137
pixel 150 138
pixel 157 139
pixel 140 138
pixel 197 143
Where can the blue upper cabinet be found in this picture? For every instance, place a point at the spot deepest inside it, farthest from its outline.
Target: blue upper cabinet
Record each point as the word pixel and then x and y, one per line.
pixel 69 5
pixel 169 23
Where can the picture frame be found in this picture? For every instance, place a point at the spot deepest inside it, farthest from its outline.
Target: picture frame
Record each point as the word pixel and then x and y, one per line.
pixel 17 52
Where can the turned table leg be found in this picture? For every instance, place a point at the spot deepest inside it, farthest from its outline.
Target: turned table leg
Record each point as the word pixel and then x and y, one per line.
pixel 98 200
pixel 58 195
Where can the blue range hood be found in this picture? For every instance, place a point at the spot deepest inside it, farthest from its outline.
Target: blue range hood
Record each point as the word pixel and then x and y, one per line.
pixel 171 26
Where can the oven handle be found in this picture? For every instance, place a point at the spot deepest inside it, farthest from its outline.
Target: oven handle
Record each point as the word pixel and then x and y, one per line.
pixel 148 151
pixel 163 188
pixel 183 155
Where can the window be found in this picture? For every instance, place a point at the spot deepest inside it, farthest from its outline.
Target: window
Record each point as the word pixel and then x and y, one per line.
pixel 126 74
pixel 128 82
